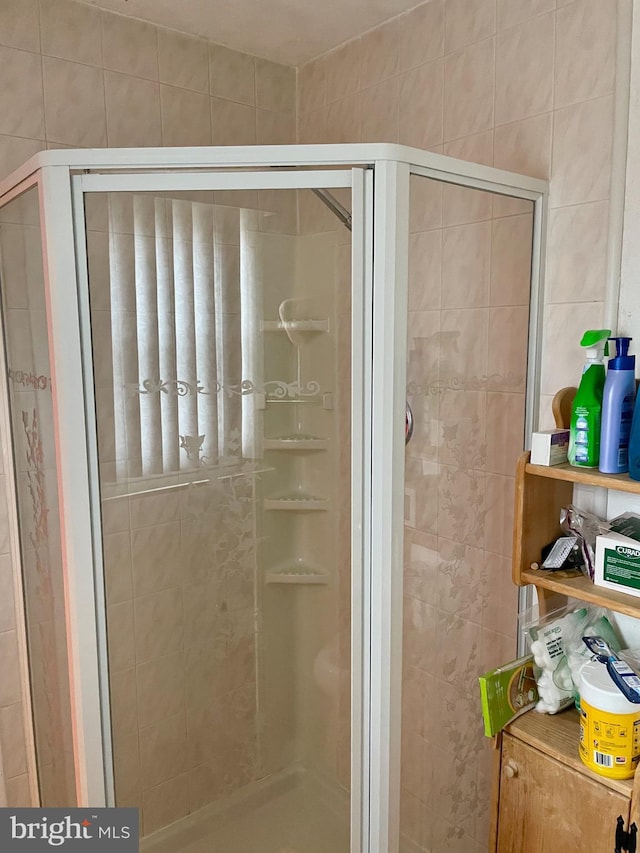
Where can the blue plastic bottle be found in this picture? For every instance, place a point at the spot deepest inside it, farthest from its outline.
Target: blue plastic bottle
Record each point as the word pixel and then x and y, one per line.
pixel 617 409
pixel 634 442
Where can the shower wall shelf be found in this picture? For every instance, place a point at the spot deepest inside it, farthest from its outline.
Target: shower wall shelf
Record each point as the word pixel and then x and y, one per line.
pixel 297 573
pixel 295 443
pixel 312 326
pixel 296 503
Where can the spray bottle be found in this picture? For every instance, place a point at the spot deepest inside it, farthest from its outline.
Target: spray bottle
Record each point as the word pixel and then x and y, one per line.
pixel 617 409
pixel 586 415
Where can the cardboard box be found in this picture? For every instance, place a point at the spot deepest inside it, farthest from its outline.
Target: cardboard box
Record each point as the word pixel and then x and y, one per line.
pixel 550 447
pixel 618 563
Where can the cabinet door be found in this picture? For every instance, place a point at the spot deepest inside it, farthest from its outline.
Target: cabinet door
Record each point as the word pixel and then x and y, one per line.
pixel 546 806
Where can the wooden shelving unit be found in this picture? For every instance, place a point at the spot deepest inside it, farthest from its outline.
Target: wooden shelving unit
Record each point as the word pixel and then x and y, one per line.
pixel 545 798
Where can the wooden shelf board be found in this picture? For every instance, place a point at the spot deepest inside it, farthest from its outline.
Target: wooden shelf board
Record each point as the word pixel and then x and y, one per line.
pixel 583 589
pixel 558 736
pixel 585 476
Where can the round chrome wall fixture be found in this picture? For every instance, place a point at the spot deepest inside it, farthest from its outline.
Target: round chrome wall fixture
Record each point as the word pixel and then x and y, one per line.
pixel 408 423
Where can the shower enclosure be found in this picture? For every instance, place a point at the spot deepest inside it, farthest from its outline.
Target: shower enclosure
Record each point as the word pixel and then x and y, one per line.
pixel 250 610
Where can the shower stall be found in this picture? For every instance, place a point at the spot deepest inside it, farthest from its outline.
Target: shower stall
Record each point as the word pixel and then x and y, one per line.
pixel 251 610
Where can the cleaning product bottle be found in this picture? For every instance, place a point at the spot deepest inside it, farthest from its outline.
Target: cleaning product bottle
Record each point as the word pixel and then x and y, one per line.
pixel 634 441
pixel 617 409
pixel 586 415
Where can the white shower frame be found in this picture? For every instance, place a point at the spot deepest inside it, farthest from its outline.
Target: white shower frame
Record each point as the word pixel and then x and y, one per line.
pixel 380 180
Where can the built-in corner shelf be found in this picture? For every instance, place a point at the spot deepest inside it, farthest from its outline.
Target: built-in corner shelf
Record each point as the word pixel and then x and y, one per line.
pixel 295 442
pixel 296 502
pixel 297 572
pixel 310 326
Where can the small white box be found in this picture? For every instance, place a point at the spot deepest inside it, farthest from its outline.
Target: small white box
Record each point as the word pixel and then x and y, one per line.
pixel 618 563
pixel 550 447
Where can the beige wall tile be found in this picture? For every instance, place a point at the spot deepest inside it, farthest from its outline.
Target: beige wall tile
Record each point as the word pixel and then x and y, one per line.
pixel 505 431
pixel 71 31
pixel 124 704
pixel 21 99
pixel 461 204
pixel 7 605
pixel 121 636
pixel 501 596
pixel 561 355
pixel 577 253
pixel 14 755
pixel 312 127
pixel 20 24
pixel 511 260
pixel 18 792
pixel 133 111
pixel 130 46
pixel 524 69
pixel 126 766
pixel 421 34
pixel 232 123
pixel 512 12
pixel 275 128
pixel 468 90
pixel 186 117
pixel 586 51
pixel 343 120
pixel 74 103
pixel 425 270
pixel 379 106
pixel 10 691
pixel 499 502
pixel 161 688
pixel 421 106
pixel 312 86
pixel 380 53
pixel 163 750
pixel 425 204
pixel 467 23
pixel 343 71
pixel 14 151
pixel 466 256
pixel 118 566
pixel 232 75
pixel 159 624
pixel 183 61
pixel 581 152
pixel 154 508
pixel 156 558
pixel 275 86
pixel 165 803
pixel 525 146
pixel 464 346
pixel 506 364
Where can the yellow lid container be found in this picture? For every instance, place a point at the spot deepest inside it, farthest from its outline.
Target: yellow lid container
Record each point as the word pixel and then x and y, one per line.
pixel 609 725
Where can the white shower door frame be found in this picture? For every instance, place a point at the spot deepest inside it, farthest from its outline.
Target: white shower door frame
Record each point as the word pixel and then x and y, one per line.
pixel 380 196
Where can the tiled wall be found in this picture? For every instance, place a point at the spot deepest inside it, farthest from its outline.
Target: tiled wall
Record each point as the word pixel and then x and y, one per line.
pixel 76 76
pixel 524 85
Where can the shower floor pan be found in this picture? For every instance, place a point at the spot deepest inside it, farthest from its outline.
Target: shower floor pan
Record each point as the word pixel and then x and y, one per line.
pixel 294 812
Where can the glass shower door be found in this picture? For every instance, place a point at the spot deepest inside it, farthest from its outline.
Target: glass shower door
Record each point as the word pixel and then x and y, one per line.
pixel 470 261
pixel 221 338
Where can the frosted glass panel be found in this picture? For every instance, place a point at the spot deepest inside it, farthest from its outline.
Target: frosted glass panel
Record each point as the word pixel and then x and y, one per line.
pixel 469 285
pixel 34 451
pixel 221 337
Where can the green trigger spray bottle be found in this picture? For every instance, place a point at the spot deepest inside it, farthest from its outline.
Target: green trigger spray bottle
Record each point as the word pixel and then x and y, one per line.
pixel 586 414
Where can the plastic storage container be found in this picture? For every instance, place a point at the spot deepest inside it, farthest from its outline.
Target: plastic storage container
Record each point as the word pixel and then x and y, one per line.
pixel 609 725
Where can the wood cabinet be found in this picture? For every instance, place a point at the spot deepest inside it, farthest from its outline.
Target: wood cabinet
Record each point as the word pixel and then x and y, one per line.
pixel 545 799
